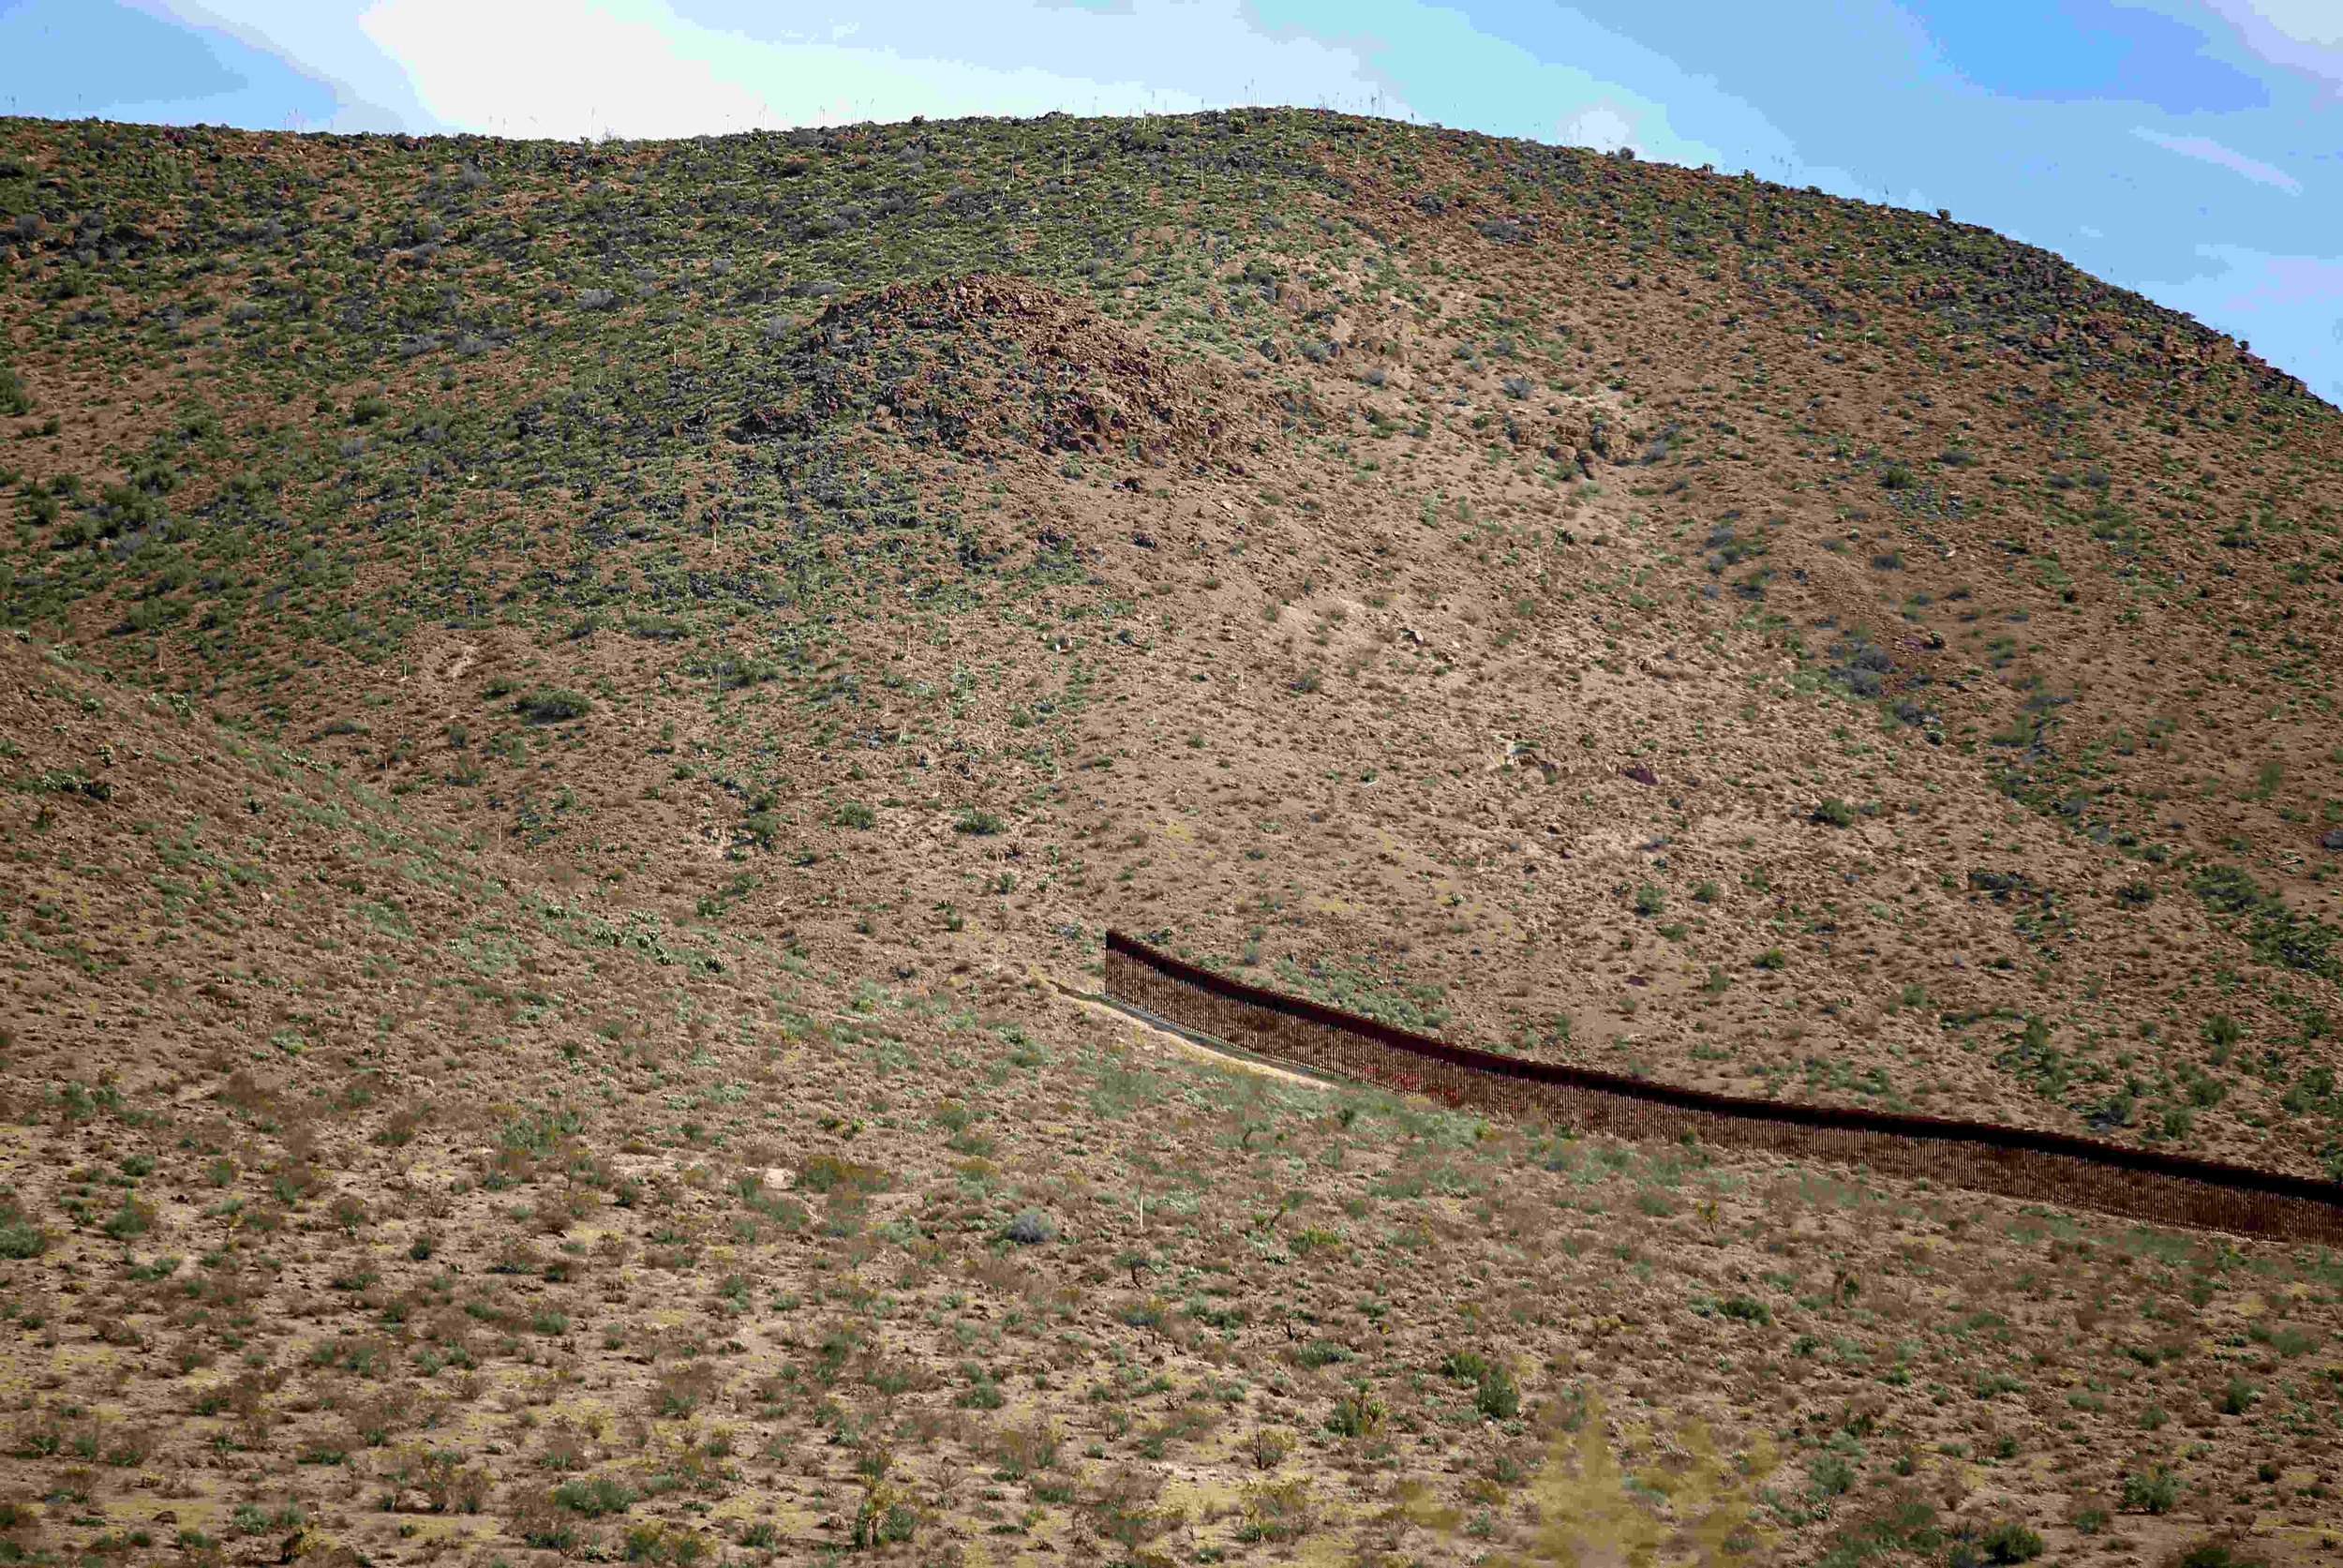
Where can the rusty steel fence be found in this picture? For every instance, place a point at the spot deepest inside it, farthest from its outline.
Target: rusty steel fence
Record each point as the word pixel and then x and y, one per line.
pixel 2020 1162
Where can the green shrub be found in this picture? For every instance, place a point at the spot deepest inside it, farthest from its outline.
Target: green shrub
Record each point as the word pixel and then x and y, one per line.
pixel 594 1495
pixel 1311 1239
pixel 20 1236
pixel 854 814
pixel 2274 931
pixel 2151 1491
pixel 1835 812
pixel 1277 1512
pixel 1356 1414
pixel 1496 1393
pixel 551 705
pixel 2293 1341
pixel 827 1172
pixel 133 1218
pixel 1499 1397
pixel 982 1395
pixel 2010 1542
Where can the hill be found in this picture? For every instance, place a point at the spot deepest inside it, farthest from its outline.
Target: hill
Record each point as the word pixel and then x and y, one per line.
pixel 633 676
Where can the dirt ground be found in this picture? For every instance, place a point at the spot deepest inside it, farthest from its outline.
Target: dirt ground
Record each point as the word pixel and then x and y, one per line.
pixel 549 837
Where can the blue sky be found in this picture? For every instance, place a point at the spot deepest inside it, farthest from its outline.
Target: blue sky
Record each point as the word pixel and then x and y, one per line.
pixel 2189 149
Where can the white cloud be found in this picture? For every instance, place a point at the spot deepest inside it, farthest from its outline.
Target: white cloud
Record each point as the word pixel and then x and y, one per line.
pixel 1602 128
pixel 641 68
pixel 636 67
pixel 2311 21
pixel 2206 150
pixel 2089 232
pixel 2306 34
pixel 321 39
pixel 628 68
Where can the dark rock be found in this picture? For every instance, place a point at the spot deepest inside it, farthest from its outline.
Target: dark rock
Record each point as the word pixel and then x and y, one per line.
pixel 2334 839
pixel 1640 773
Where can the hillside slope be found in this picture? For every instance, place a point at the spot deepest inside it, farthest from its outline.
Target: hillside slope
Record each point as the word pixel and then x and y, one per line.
pixel 1610 612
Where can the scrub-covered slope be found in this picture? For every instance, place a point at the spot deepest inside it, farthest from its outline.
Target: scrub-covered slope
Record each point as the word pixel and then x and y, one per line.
pixel 1626 615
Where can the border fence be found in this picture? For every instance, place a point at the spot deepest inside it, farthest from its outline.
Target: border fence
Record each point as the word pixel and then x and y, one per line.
pixel 2018 1162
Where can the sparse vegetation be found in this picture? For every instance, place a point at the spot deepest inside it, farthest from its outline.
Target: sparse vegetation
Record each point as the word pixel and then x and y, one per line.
pixel 570 748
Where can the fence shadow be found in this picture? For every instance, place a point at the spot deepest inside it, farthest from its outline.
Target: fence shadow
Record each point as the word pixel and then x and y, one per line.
pixel 2018 1162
